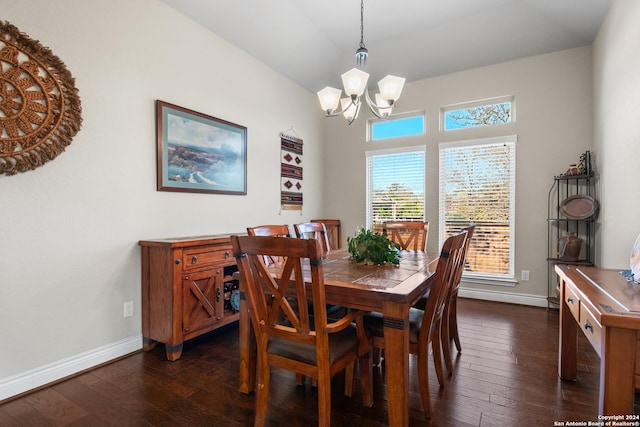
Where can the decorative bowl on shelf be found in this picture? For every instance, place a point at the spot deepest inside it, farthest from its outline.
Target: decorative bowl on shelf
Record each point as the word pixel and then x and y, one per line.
pixel 578 207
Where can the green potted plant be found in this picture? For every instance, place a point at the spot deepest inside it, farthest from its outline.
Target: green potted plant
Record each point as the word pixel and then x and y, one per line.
pixel 370 248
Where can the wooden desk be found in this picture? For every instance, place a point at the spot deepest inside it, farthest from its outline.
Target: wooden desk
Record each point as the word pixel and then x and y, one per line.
pixel 387 289
pixel 607 308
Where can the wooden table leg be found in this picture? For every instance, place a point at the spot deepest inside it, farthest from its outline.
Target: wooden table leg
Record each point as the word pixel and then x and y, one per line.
pixel 247 349
pixel 396 354
pixel 617 374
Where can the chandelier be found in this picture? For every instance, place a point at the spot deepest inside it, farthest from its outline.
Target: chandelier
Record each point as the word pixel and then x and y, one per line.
pixel 355 84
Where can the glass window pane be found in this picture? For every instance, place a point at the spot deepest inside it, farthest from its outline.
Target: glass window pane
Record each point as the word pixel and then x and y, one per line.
pixel 483 115
pixel 396 128
pixel 395 188
pixel 477 186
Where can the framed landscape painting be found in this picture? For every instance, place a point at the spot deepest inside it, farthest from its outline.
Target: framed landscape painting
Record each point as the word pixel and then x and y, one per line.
pixel 199 153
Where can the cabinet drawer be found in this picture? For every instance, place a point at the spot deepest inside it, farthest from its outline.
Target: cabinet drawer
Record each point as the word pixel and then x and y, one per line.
pixel 194 258
pixel 591 328
pixel 573 302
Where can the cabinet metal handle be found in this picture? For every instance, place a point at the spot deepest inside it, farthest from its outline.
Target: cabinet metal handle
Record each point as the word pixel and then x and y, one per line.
pixel 226 254
pixel 570 300
pixel 218 295
pixel 194 259
pixel 588 326
pixel 178 261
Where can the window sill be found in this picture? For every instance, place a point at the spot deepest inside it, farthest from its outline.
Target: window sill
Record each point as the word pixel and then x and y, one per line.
pixel 492 281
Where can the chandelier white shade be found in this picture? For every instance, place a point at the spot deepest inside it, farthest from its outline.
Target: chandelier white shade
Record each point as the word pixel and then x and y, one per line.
pixel 355 84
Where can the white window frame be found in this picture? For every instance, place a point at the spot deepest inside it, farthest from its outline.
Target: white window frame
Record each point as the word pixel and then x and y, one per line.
pixel 485 278
pixel 400 150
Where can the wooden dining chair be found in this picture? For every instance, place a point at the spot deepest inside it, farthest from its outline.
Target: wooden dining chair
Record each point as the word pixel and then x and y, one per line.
pixel 425 325
pixel 317 230
pixel 270 231
pixel 314 230
pixel 294 339
pixel 410 235
pixel 334 231
pixel 450 322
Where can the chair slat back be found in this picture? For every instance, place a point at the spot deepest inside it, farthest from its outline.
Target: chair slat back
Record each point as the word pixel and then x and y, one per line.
pixel 458 274
pixel 270 230
pixel 410 235
pixel 442 282
pixel 277 230
pixel 274 315
pixel 334 231
pixel 314 230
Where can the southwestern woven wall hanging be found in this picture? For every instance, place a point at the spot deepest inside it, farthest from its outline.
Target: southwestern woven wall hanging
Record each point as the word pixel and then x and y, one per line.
pixel 40 109
pixel 290 172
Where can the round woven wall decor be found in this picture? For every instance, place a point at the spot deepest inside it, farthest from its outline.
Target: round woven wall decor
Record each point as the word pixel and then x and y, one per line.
pixel 40 109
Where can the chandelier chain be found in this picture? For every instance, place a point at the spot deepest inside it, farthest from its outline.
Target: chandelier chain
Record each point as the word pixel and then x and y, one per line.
pixel 362 46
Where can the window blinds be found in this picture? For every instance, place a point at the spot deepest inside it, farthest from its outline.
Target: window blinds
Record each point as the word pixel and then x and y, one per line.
pixel 395 186
pixel 477 186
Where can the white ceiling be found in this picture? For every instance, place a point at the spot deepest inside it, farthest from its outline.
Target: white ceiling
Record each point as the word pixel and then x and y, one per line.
pixel 313 42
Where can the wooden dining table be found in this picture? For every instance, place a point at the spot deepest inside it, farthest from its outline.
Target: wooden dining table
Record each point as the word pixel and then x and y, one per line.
pixel 388 289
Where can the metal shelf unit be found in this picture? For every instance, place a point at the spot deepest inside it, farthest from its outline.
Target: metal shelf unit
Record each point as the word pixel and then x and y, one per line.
pixel 558 225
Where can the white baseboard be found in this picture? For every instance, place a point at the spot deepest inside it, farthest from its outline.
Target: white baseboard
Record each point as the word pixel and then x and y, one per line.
pixel 34 378
pixel 510 297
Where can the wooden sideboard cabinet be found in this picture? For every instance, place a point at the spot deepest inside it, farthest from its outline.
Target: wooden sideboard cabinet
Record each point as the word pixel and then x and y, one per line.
pixel 184 285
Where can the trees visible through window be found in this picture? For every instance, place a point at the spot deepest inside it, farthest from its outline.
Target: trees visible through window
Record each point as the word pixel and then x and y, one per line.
pixel 395 186
pixel 472 115
pixel 477 186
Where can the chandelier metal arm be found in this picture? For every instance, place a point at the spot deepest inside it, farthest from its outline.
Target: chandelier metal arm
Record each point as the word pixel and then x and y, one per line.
pixel 353 102
pixel 375 107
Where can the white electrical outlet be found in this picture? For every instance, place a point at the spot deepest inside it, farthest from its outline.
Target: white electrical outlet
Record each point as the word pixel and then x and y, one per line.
pixel 128 309
pixel 524 275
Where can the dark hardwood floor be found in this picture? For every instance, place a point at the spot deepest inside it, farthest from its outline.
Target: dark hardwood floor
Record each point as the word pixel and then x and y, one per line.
pixel 506 375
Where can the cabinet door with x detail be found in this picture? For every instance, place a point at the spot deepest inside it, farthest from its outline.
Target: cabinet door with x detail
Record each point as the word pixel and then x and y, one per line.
pixel 202 303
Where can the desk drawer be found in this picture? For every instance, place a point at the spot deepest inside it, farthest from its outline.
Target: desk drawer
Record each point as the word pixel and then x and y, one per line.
pixel 194 258
pixel 573 302
pixel 591 328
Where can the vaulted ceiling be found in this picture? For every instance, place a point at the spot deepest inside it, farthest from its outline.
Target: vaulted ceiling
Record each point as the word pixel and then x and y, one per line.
pixel 313 42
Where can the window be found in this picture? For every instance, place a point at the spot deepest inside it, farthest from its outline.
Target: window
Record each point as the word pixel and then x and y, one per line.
pixel 477 186
pixel 395 186
pixel 483 113
pixel 394 128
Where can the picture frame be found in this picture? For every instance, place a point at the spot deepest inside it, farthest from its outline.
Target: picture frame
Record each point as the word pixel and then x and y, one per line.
pixel 197 153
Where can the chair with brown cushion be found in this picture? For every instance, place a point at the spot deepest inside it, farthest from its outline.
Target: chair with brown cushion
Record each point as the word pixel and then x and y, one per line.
pixel 293 339
pixel 314 230
pixel 334 231
pixel 276 230
pixel 425 325
pixel 450 323
pixel 410 235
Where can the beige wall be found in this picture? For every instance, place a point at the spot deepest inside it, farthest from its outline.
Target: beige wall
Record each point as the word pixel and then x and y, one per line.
pixel 616 66
pixel 68 236
pixel 553 99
